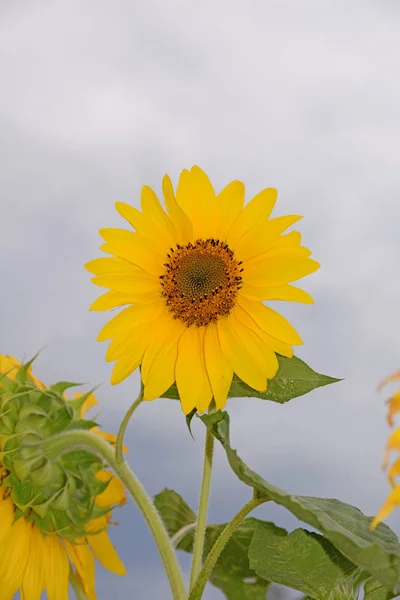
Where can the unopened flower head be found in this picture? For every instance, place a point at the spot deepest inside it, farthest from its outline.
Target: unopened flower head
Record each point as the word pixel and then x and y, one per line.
pixel 54 509
pixel 193 278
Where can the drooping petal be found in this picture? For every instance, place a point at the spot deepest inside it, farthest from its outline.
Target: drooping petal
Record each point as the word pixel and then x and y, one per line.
pixel 219 371
pixel 115 491
pixel 33 580
pixel 81 556
pixel 190 371
pixel 103 548
pixel 57 569
pixel 14 554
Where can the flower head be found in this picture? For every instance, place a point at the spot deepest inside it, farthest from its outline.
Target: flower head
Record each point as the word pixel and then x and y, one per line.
pixel 192 278
pixel 393 443
pixel 54 510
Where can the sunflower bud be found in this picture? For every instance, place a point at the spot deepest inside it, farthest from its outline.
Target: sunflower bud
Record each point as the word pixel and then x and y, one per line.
pixel 55 491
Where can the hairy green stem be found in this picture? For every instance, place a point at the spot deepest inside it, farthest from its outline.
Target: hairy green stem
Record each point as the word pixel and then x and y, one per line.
pixel 73 440
pixel 121 433
pixel 215 552
pixel 76 586
pixel 201 525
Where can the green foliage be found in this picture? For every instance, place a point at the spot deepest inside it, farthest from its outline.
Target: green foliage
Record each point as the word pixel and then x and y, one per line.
pixel 346 527
pixel 373 590
pixel 303 561
pixel 293 379
pixel 232 574
pixel 54 490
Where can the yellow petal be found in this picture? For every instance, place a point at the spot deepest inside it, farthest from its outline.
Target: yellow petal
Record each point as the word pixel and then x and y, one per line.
pixel 101 266
pixel 393 407
pixel 190 372
pixel 394 472
pixel 279 251
pixel 111 300
pixel 196 196
pixel 123 368
pixel 114 493
pixel 90 401
pixel 180 219
pixel 287 292
pixel 14 554
pixel 393 443
pixel 139 252
pixel 270 321
pixel 392 501
pixel 229 204
pixel 269 342
pixel 260 238
pixel 81 556
pixel 33 577
pixel 129 318
pixel 277 271
pixel 135 284
pixel 158 368
pixel 131 343
pixel 103 548
pixel 161 223
pixel 256 211
pixel 393 377
pixel 108 437
pixel 219 371
pixel 57 569
pixel 239 355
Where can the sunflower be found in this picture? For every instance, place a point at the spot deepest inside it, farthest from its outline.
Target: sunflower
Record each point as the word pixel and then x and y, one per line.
pixel 33 560
pixel 192 279
pixel 393 443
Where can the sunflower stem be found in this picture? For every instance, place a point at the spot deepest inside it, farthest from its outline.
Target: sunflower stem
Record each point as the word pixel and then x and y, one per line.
pixel 69 440
pixel 76 586
pixel 121 433
pixel 201 525
pixel 197 591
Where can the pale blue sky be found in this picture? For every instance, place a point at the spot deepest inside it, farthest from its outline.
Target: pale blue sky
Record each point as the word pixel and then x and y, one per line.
pixel 99 98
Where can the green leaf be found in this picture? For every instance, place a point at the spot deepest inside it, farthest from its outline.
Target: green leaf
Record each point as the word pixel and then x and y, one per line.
pixel 346 527
pixel 294 378
pixel 303 561
pixel 373 590
pixel 174 511
pixel 232 574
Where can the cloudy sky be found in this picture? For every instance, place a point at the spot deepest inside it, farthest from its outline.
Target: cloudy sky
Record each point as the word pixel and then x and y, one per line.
pixel 99 98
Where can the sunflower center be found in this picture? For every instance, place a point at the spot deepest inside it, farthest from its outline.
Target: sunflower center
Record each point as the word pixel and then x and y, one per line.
pixel 201 281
